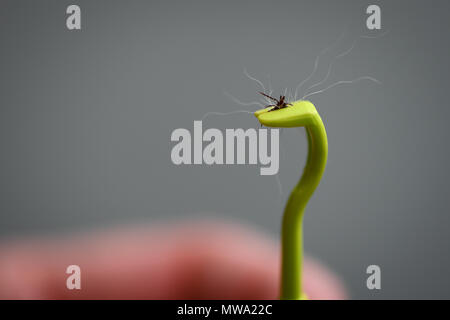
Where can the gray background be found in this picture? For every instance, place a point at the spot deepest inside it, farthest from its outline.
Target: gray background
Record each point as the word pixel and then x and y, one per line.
pixel 86 118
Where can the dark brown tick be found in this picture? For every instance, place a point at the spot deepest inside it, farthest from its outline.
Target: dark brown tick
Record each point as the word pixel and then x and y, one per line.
pixel 280 103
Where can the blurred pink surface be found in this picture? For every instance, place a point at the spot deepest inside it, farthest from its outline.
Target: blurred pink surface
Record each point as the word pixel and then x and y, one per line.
pixel 195 260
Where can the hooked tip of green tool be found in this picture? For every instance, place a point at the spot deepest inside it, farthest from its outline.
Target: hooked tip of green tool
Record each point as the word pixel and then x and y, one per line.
pixel 296 114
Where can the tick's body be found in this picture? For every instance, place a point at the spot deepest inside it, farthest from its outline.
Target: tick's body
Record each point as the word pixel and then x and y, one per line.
pixel 280 103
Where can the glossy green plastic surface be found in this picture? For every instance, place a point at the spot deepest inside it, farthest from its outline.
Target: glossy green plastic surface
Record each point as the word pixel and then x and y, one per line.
pixel 300 114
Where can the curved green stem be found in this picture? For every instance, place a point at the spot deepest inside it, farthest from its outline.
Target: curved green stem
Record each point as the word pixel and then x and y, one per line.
pixel 300 114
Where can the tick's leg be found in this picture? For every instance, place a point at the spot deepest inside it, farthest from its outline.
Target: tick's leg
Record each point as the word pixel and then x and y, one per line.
pixel 267 96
